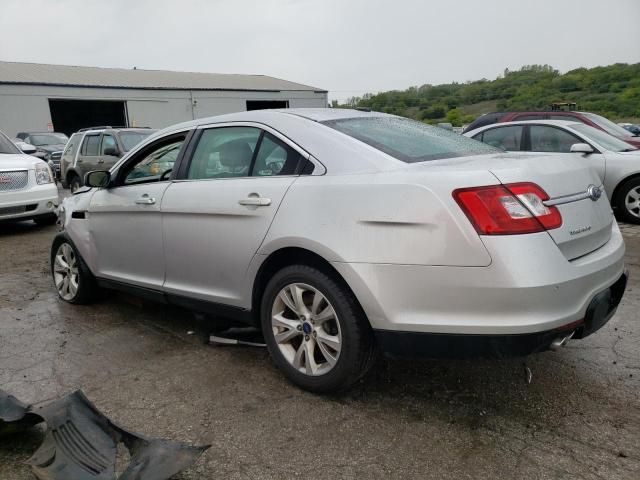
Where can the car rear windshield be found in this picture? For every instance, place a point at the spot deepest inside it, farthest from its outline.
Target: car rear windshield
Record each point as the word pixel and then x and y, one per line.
pixel 7 146
pixel 408 140
pixel 131 139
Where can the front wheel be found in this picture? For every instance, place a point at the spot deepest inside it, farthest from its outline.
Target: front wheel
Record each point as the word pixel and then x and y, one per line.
pixel 627 201
pixel 75 184
pixel 315 331
pixel 73 280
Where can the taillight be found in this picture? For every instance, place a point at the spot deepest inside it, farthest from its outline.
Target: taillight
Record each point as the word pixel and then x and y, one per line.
pixel 508 209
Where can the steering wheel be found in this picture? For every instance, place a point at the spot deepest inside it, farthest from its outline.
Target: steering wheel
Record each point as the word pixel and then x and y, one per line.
pixel 164 174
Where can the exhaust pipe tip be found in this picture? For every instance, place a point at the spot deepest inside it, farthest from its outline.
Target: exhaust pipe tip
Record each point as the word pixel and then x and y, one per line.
pixel 560 342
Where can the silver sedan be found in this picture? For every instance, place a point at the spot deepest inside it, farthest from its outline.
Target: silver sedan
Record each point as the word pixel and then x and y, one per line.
pixel 616 162
pixel 343 233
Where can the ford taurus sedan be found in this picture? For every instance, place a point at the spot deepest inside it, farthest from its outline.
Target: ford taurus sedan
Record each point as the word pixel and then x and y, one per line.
pixel 342 233
pixel 616 162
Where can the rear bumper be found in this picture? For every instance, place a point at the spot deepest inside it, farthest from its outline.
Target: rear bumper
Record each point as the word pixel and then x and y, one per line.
pixel 530 287
pixel 28 203
pixel 440 345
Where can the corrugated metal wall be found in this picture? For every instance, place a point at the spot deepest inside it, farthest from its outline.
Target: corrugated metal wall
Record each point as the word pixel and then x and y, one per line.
pixel 26 108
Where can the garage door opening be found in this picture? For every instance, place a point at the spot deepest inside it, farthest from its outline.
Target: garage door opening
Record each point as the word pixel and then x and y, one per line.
pixel 69 116
pixel 264 104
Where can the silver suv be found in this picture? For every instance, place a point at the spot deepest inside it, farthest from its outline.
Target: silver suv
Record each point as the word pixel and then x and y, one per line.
pixel 96 149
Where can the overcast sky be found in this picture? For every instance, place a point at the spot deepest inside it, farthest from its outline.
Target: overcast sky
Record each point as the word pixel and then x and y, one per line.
pixel 345 46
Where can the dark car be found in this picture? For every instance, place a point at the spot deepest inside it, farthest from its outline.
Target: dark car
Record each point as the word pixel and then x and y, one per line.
pixel 634 129
pixel 49 146
pixel 587 118
pixel 96 149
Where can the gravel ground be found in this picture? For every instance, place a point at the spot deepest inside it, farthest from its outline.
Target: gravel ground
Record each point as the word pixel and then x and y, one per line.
pixel 579 418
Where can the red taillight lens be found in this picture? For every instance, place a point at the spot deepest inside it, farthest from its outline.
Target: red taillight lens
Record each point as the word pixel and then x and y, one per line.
pixel 508 209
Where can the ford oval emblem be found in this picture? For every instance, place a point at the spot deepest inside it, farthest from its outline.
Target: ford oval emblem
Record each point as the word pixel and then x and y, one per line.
pixel 594 192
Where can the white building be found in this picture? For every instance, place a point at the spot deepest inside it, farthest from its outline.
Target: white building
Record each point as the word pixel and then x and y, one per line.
pixel 38 97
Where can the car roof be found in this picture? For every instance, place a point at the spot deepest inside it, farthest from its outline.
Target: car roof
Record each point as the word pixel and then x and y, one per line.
pixel 118 129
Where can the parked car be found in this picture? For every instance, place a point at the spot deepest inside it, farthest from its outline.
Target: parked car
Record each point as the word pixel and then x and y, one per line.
pixel 48 145
pixel 96 148
pixel 631 127
pixel 340 232
pixel 27 189
pixel 616 162
pixel 25 147
pixel 596 121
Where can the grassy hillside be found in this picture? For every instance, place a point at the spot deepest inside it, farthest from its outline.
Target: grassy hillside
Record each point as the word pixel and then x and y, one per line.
pixel 612 91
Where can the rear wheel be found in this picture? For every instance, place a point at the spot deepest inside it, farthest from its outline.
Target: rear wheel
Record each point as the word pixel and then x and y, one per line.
pixel 627 201
pixel 73 280
pixel 315 330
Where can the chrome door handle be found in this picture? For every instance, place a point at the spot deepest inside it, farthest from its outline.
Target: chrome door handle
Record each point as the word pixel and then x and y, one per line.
pixel 146 200
pixel 255 201
pixel 101 161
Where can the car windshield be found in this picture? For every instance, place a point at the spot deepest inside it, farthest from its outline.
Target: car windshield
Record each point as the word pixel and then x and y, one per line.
pixel 7 146
pixel 131 139
pixel 607 125
pixel 40 139
pixel 408 140
pixel 605 140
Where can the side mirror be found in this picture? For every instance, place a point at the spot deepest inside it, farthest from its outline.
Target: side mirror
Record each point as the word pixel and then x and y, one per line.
pixel 97 179
pixel 581 148
pixel 112 151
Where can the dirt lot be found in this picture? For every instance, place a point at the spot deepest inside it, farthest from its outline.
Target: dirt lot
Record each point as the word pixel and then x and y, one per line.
pixel 579 418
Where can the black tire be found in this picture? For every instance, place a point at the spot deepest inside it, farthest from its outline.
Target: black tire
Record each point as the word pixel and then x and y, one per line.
pixel 88 290
pixel 45 220
pixel 622 209
pixel 75 183
pixel 358 349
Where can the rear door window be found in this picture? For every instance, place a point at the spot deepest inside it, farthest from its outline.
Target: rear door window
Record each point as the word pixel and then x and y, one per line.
pixel 507 138
pixel 91 145
pixel 275 158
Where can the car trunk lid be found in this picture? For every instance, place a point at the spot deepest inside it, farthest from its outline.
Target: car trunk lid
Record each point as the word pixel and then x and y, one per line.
pixel 574 189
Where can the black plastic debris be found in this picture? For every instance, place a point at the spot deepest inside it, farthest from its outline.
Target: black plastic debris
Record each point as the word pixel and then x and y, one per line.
pixel 81 443
pixel 15 415
pixel 248 336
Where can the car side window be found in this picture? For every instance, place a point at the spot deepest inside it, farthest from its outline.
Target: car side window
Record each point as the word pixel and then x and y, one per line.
pixel 275 158
pixel 224 152
pixel 154 163
pixel 551 139
pixel 107 142
pixel 508 138
pixel 90 146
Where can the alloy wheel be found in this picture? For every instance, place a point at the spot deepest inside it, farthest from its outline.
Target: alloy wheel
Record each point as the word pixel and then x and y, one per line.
pixel 65 272
pixel 632 202
pixel 306 329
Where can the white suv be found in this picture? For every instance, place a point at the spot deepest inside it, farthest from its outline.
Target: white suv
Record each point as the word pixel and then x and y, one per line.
pixel 27 188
